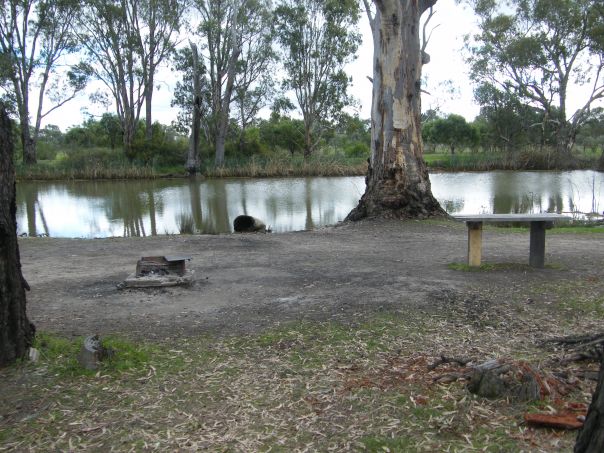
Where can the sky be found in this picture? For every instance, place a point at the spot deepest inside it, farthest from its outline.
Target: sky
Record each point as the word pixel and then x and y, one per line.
pixel 453 21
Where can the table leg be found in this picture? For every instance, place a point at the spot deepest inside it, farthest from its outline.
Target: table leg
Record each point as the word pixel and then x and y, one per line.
pixel 537 250
pixel 474 243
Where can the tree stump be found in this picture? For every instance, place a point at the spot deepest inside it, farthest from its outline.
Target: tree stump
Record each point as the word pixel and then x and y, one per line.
pixel 498 379
pixel 93 353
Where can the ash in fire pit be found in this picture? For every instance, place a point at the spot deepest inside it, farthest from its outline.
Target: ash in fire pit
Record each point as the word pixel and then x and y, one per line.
pixel 159 271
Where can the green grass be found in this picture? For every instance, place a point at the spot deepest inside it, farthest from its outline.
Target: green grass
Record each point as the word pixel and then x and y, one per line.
pixel 501 267
pixel 60 355
pixel 583 229
pixel 524 159
pixel 561 228
pixel 494 267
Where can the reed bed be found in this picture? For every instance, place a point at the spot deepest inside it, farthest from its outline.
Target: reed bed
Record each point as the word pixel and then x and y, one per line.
pixel 262 168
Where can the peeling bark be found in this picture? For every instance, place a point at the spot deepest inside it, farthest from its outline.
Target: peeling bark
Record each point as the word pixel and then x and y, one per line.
pixel 397 180
pixel 16 332
pixel 591 437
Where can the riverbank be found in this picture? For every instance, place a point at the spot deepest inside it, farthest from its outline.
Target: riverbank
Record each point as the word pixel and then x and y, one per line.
pixel 308 340
pixel 257 167
pixel 252 168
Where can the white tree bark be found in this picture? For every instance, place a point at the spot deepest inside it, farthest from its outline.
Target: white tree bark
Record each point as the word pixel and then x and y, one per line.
pixel 397 181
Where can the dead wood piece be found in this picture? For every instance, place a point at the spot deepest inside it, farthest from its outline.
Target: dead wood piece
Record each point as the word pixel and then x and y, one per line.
pixel 443 359
pixel 590 355
pixel 450 377
pixel 577 339
pixel 590 375
pixel 497 379
pixel 563 420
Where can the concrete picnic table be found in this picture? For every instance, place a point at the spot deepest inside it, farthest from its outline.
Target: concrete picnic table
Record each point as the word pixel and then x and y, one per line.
pixel 538 222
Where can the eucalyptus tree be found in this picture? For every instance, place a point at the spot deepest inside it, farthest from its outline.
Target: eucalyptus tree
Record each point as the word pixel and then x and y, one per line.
pixel 397 180
pixel 35 37
pixel 534 50
pixel 16 332
pixel 126 41
pixel 157 25
pixel 318 38
pixel 255 81
pixel 235 67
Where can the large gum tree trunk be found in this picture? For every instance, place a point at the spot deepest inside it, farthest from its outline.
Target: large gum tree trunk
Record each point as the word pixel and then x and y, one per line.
pixel 591 437
pixel 397 180
pixel 16 332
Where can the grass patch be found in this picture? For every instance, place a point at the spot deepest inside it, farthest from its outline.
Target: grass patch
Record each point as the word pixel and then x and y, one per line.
pixel 577 299
pixel 256 167
pixel 493 267
pixel 104 164
pixel 60 355
pixel 384 444
pixel 570 229
pixel 307 385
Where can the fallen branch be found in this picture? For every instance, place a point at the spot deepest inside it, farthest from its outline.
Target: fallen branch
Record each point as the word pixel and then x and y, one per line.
pixel 443 359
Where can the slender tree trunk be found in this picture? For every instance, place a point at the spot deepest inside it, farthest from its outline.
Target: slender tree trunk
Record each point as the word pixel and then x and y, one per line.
pixel 397 180
pixel 16 332
pixel 308 141
pixel 220 146
pixel 148 118
pixel 129 133
pixel 192 165
pixel 148 104
pixel 29 145
pixel 591 437
pixel 225 102
pixel 27 142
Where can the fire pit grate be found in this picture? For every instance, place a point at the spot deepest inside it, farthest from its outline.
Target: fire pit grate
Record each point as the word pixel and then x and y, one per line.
pixel 158 271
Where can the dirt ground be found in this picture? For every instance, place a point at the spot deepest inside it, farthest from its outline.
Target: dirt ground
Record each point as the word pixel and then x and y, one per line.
pixel 246 283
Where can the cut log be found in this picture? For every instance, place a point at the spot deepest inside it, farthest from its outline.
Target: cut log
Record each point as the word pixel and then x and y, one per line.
pixel 248 224
pixel 93 353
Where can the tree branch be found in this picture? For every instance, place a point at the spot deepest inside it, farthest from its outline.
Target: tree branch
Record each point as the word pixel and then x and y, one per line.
pixel 426 39
pixel 425 5
pixel 370 15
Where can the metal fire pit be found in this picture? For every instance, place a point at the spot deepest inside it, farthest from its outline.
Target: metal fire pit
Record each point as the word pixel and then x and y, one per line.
pixel 159 271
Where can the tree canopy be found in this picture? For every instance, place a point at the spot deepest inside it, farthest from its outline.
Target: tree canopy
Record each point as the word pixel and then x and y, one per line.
pixel 533 50
pixel 317 39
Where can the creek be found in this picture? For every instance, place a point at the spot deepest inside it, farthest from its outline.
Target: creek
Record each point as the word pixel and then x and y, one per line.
pixel 91 209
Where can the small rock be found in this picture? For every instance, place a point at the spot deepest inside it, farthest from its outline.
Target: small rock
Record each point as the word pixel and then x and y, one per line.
pixel 33 355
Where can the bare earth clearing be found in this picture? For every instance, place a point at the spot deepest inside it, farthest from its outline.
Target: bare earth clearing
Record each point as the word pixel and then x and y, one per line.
pixel 247 282
pixel 267 306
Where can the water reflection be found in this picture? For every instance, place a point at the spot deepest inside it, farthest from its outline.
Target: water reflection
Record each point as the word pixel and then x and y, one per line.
pixel 141 208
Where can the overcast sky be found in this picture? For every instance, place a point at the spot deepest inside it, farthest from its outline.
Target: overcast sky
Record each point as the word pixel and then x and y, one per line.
pixel 446 64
